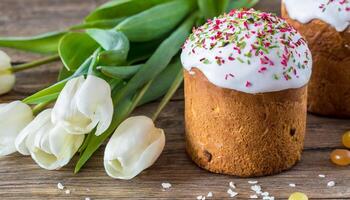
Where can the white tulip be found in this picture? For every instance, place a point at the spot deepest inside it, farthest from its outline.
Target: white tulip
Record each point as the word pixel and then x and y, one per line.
pixel 134 147
pixel 50 146
pixel 13 118
pixel 7 78
pixel 84 104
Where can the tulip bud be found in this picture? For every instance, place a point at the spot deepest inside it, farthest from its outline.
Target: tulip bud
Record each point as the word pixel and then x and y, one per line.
pixel 13 118
pixel 84 104
pixel 7 78
pixel 50 146
pixel 135 146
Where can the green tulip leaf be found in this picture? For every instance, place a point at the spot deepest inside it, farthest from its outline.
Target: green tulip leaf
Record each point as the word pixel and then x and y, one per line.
pixel 101 24
pixel 47 94
pixel 241 4
pixel 121 8
pixel 162 83
pixel 140 51
pixel 46 43
pixel 156 21
pixel 173 88
pixel 222 5
pixel 115 43
pixel 110 39
pixel 75 48
pixel 207 8
pixel 161 58
pixel 112 58
pixel 64 73
pixel 120 72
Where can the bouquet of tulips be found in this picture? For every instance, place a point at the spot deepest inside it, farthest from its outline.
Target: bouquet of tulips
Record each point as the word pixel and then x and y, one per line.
pixel 124 54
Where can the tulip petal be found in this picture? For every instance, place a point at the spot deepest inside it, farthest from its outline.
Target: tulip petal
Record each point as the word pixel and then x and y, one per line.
pixel 133 132
pixel 147 159
pixel 64 145
pixel 83 105
pixel 50 145
pixel 151 154
pixel 135 146
pixel 14 117
pixel 45 160
pixel 7 81
pixel 66 111
pixel 5 60
pixel 36 125
pixel 94 100
pixel 7 78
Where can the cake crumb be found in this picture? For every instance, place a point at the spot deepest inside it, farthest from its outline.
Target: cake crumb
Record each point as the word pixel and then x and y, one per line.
pixel 265 194
pixel 256 188
pixel 232 185
pixel 166 186
pixel 201 197
pixel 253 182
pixel 210 194
pixel 67 191
pixel 292 185
pixel 232 193
pixel 60 186
pixel 331 184
pixel 254 196
pixel 322 176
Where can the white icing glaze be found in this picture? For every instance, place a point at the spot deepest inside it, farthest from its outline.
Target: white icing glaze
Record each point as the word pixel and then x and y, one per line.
pixel 334 12
pixel 223 50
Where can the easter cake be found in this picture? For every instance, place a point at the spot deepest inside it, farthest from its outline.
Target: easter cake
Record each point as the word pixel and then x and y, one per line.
pixel 325 26
pixel 246 76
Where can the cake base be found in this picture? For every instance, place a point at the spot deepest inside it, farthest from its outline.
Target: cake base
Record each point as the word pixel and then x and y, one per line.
pixel 329 87
pixel 242 134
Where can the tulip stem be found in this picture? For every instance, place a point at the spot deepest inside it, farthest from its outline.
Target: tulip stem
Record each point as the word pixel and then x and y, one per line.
pixel 40 107
pixel 42 61
pixel 86 142
pixel 139 96
pixel 176 84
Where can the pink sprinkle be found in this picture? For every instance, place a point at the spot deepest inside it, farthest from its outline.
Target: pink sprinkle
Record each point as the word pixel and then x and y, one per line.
pixel 229 75
pixel 237 49
pixel 246 25
pixel 231 58
pixel 248 84
pixel 264 61
pixel 262 69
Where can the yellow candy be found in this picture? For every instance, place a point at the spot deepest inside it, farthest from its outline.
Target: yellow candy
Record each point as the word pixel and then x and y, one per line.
pixel 346 139
pixel 298 196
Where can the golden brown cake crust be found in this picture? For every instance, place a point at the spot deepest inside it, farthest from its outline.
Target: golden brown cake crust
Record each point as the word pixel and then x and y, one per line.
pixel 329 87
pixel 242 134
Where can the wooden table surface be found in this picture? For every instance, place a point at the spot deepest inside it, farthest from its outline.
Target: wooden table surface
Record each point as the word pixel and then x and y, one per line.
pixel 21 178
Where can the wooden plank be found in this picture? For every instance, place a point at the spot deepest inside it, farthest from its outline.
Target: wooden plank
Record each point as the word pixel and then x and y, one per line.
pixel 24 177
pixel 21 178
